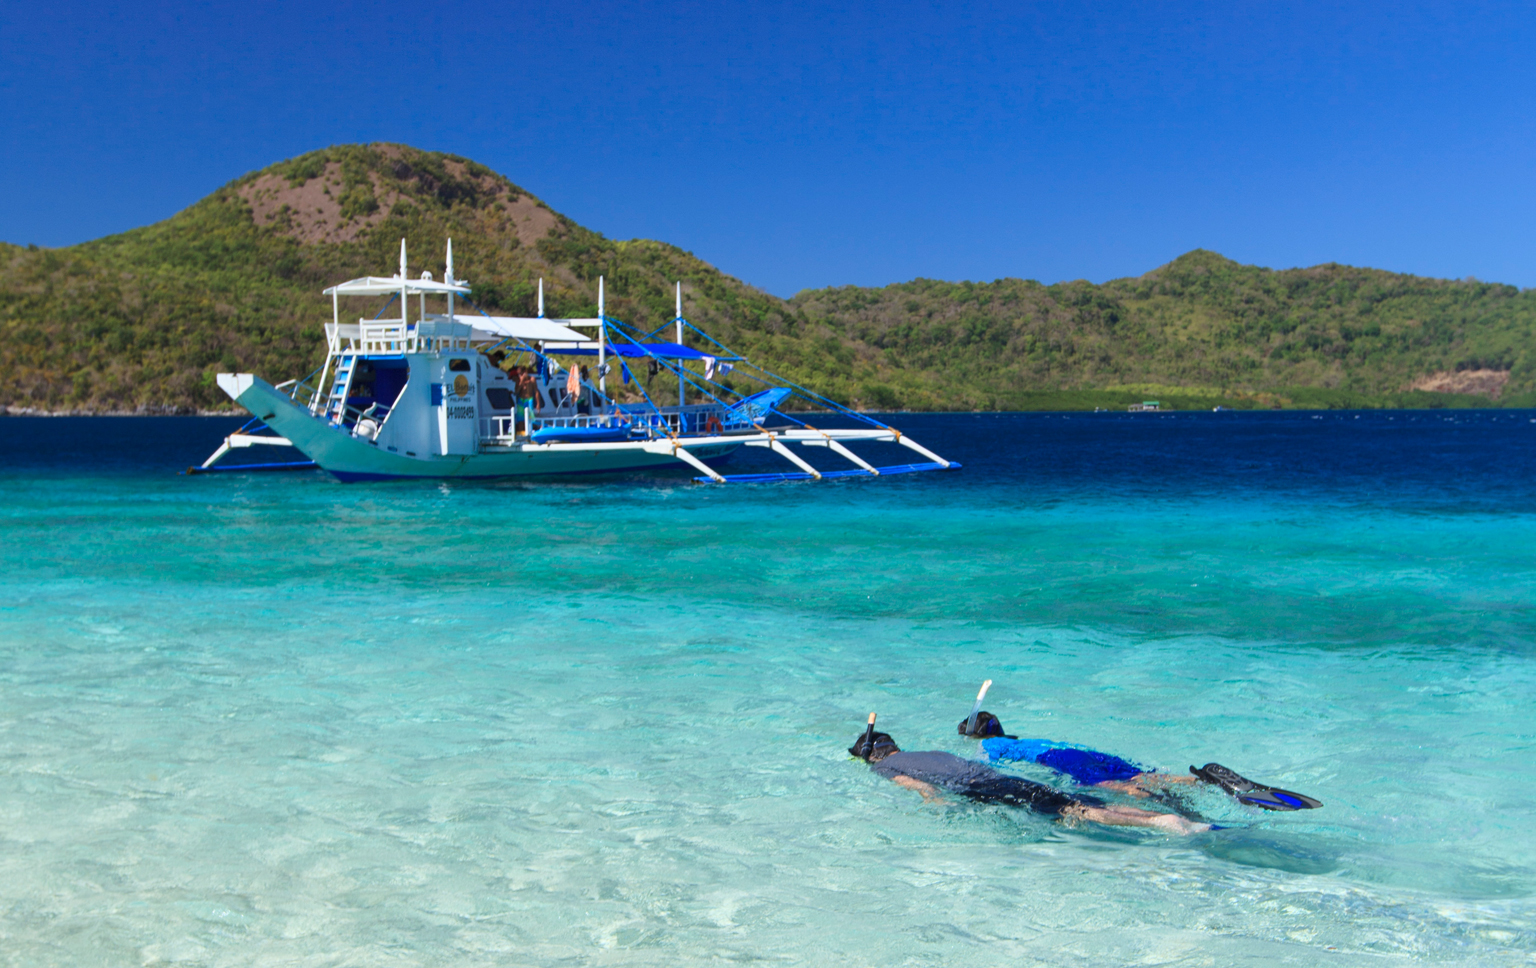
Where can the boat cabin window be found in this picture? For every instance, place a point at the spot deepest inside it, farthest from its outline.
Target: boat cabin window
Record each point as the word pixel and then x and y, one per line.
pixel 459 366
pixel 500 398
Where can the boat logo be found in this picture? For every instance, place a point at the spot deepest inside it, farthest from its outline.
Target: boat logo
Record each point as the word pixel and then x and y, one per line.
pixel 461 385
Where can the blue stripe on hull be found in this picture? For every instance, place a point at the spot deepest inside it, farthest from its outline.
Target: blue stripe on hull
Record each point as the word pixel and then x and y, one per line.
pixel 297 465
pixel 346 477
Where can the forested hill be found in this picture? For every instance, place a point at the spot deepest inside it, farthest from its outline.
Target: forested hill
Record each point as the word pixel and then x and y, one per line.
pixel 1201 326
pixel 143 320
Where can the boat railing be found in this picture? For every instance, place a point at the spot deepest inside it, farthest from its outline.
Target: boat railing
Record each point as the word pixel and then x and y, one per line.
pixel 305 392
pixel 385 336
pixel 350 418
pixel 695 420
pixel 395 336
pixel 698 418
pixel 503 427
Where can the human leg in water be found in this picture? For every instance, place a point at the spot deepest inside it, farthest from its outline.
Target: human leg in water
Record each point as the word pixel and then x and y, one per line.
pixel 1115 815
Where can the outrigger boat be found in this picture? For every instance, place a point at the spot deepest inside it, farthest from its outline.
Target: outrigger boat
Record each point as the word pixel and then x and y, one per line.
pixel 427 397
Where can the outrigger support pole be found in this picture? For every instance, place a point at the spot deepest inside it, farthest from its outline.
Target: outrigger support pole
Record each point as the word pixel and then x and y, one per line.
pixel 239 439
pixel 909 442
pixel 681 453
pixel 223 449
pixel 839 448
pixel 773 444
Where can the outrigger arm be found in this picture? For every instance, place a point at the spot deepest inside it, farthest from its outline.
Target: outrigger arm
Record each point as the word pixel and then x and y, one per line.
pixel 833 445
pixel 681 453
pixel 778 441
pixel 244 440
pixel 914 445
pixel 789 455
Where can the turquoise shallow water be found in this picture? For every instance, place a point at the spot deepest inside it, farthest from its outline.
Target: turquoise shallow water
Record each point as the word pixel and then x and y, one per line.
pixel 276 720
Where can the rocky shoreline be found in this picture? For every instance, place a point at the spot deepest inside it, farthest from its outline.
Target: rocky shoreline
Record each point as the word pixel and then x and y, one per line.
pixel 14 411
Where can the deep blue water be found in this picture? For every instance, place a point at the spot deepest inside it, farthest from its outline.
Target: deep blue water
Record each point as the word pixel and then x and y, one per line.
pixel 269 717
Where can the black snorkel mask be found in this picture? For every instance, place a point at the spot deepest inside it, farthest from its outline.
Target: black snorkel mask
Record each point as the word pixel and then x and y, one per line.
pixel 982 726
pixel 866 745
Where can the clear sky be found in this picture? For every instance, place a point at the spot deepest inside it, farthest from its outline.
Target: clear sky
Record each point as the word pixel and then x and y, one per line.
pixel 803 145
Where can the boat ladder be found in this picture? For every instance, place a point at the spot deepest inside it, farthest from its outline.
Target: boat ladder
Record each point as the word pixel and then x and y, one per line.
pixel 341 387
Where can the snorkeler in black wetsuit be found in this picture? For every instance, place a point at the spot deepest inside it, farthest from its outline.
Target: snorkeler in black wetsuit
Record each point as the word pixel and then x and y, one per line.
pixel 931 771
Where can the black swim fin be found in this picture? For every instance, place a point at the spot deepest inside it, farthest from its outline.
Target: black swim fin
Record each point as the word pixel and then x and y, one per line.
pixel 1254 794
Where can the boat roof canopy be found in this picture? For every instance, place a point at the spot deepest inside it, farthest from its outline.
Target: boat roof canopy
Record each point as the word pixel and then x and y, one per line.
pixel 391 285
pixel 526 328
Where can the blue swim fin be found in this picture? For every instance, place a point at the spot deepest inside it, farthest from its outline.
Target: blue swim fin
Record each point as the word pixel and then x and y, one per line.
pixel 1251 793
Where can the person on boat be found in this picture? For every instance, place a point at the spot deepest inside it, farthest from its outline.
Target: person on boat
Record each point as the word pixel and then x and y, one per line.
pixel 933 772
pixel 527 391
pixel 584 404
pixel 1089 767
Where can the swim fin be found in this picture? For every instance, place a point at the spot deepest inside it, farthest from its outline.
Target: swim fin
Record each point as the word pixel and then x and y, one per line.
pixel 1254 794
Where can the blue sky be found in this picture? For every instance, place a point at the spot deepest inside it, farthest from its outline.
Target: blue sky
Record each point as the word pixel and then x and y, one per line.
pixel 798 145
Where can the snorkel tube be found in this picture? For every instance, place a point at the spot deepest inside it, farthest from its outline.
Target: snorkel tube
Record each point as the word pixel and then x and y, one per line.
pixel 970 724
pixel 869 737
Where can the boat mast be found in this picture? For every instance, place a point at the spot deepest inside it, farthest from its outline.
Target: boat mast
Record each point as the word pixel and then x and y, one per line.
pixel 449 280
pixel 405 300
pixel 541 297
pixel 602 346
pixel 332 347
pixel 679 320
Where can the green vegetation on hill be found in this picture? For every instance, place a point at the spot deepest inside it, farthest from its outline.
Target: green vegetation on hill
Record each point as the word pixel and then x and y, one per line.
pixel 143 320
pixel 1327 336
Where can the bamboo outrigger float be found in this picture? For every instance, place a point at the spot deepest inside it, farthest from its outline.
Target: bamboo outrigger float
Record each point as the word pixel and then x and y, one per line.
pixel 427 398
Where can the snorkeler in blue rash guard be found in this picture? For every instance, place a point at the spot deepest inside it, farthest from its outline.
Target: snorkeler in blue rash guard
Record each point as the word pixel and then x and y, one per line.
pixel 1092 768
pixel 1085 766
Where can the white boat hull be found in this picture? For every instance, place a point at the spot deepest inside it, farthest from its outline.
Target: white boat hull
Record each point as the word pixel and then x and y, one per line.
pixel 352 457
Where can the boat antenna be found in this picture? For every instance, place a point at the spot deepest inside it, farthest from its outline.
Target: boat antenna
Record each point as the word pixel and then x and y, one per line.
pixel 541 297
pixel 404 300
pixel 449 279
pixel 970 724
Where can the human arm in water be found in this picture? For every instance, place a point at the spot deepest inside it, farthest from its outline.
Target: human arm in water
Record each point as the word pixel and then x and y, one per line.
pixel 928 790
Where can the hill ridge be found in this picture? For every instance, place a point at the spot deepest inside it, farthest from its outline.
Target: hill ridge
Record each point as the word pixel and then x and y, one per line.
pixel 141 320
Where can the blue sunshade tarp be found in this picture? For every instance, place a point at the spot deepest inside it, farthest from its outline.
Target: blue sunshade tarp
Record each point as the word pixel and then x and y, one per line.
pixel 638 351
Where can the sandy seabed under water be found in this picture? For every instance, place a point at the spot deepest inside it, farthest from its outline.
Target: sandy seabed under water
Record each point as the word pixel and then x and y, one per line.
pixel 271 719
